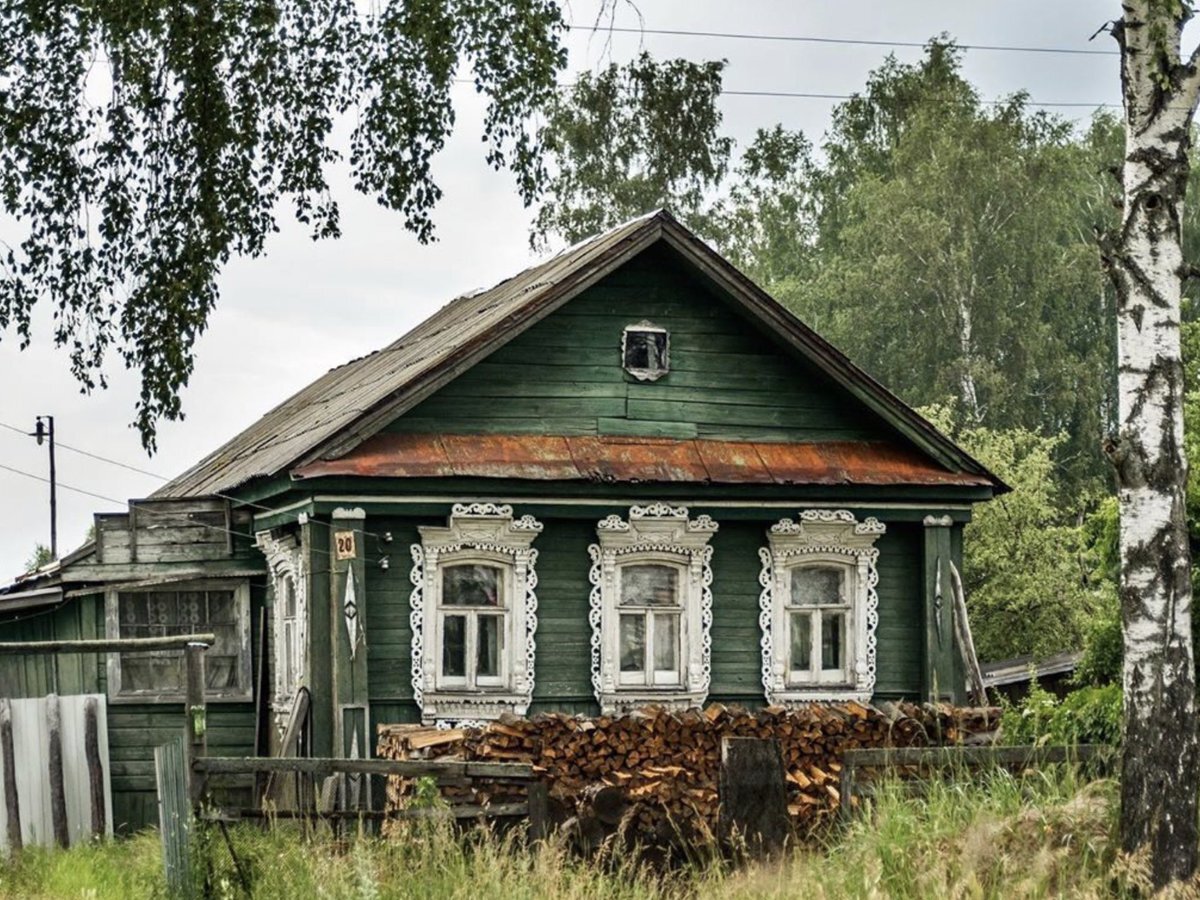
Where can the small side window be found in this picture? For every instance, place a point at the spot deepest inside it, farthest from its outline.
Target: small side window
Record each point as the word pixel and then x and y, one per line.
pixel 645 351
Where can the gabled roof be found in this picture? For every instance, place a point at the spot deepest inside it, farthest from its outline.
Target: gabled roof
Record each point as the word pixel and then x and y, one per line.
pixel 351 403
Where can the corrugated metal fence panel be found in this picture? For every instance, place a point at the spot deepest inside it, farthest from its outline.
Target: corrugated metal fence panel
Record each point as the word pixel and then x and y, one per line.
pixel 31 757
pixel 174 815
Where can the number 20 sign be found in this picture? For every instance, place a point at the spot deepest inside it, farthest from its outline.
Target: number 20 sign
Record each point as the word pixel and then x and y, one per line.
pixel 343 542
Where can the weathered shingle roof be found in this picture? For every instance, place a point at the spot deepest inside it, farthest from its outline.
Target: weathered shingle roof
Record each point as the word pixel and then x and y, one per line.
pixel 352 402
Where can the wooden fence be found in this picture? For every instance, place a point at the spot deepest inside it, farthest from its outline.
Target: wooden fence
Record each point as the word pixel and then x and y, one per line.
pixel 958 761
pixel 54 756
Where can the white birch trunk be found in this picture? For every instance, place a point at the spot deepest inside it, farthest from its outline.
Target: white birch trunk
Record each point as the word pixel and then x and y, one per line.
pixel 1159 774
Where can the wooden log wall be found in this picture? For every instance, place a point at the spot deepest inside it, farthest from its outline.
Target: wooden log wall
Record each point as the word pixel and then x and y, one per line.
pixel 654 774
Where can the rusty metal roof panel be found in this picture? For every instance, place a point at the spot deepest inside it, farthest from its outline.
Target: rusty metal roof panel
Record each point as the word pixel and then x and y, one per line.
pixel 638 459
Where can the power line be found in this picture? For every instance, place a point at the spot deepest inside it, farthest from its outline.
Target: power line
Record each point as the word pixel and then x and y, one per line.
pixel 807 95
pixel 143 510
pixel 810 39
pixel 149 474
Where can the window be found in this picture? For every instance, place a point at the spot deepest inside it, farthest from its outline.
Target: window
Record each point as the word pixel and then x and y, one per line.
pixel 651 608
pixel 471 619
pixel 649 624
pixel 474 614
pixel 645 351
pixel 285 557
pixel 819 607
pixel 219 608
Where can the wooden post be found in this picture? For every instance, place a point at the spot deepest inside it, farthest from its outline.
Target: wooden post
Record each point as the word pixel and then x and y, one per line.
pixel 753 795
pixel 195 743
pixel 54 762
pixel 91 749
pixel 539 811
pixel 939 680
pixel 12 807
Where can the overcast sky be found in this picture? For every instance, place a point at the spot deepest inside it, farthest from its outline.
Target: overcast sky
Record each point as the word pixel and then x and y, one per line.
pixel 285 318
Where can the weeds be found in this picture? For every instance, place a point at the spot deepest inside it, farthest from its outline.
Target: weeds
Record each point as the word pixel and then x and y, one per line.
pixel 998 835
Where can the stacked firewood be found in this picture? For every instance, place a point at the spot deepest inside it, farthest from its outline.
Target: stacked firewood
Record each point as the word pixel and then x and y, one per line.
pixel 653 773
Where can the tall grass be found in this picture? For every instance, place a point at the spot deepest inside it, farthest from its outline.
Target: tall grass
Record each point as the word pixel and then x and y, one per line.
pixel 1038 835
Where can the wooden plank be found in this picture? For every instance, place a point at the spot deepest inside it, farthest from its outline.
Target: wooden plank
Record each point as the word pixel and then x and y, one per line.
pixel 12 805
pixel 174 816
pixel 95 767
pixel 116 645
pixel 54 764
pixel 945 757
pixel 195 717
pixel 322 767
pixel 753 795
pixel 463 811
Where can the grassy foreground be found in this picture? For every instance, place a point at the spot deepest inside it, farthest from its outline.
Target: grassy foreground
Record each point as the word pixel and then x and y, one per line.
pixel 1034 836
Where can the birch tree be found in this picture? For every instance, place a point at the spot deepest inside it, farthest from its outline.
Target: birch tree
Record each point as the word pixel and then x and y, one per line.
pixel 1144 259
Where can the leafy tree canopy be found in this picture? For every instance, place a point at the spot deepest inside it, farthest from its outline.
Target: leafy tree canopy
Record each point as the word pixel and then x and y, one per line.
pixel 142 144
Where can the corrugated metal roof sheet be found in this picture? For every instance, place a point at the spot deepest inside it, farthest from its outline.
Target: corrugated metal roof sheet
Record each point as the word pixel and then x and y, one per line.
pixel 637 459
pixel 353 402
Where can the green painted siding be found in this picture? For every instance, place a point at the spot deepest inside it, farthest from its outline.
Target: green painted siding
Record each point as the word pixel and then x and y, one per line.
pixel 563 663
pixel 728 379
pixel 133 729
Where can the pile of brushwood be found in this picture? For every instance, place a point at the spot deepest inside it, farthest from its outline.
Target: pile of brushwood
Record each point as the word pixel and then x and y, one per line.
pixel 652 774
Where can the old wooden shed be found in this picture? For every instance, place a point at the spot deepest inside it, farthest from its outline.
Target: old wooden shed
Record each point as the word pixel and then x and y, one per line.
pixel 624 476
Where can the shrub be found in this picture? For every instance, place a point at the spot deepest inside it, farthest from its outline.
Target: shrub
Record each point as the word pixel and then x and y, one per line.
pixel 1090 715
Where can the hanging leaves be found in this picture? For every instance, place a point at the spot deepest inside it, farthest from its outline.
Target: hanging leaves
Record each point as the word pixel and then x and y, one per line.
pixel 145 142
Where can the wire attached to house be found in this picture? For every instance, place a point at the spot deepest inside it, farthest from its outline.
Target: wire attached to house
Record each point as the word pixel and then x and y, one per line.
pixel 149 474
pixel 143 510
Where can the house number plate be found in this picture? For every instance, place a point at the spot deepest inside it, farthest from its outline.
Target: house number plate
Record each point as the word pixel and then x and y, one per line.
pixel 344 542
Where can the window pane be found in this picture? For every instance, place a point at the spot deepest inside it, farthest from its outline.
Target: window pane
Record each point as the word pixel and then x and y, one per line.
pixel 816 585
pixel 152 673
pixel 649 585
pixel 801 641
pixel 833 639
pixel 666 642
pixel 471 585
pixel 454 646
pixel 646 350
pixel 221 607
pixel 191 609
pixel 220 672
pixel 488 645
pixel 135 610
pixel 289 598
pixel 633 643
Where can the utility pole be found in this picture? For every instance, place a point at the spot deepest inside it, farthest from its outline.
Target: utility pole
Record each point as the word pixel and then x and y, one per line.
pixel 44 431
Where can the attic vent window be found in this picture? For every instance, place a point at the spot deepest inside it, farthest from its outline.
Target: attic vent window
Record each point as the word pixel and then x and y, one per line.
pixel 645 351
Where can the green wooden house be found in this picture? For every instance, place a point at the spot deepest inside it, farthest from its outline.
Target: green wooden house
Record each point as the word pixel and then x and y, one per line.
pixel 624 476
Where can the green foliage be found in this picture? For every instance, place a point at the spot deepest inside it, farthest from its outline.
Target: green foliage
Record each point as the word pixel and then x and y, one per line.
pixel 1103 652
pixel 1090 715
pixel 212 115
pixel 628 140
pixel 41 556
pixel 1027 573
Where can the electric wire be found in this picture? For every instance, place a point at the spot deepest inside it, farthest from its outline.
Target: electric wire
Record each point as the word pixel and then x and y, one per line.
pixel 149 511
pixel 812 39
pixel 232 499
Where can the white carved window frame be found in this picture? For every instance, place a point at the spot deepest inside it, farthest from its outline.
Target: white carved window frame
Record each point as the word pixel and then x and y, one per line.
pixel 286 561
pixel 654 533
pixel 829 538
pixel 487 534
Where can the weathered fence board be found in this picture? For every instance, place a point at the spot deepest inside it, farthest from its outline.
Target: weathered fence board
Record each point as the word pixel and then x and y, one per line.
pixel 54 757
pixel 174 815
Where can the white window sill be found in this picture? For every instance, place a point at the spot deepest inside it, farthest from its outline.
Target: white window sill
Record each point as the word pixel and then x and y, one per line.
pixel 471 705
pixel 625 701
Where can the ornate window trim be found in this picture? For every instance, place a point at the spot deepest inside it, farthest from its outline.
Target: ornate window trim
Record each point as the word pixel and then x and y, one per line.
pixel 829 537
pixel 286 560
pixel 477 532
pixel 658 532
